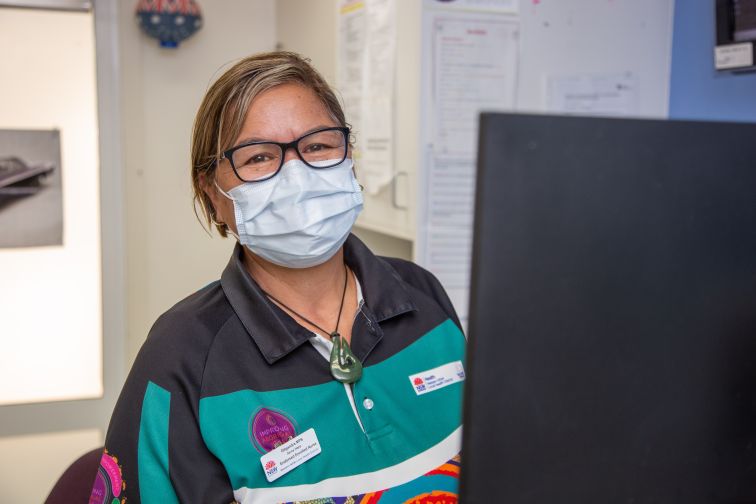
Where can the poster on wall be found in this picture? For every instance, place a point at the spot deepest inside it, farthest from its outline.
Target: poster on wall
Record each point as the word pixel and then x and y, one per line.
pixel 492 6
pixel 472 67
pixel 31 196
pixel 365 79
pixel 606 94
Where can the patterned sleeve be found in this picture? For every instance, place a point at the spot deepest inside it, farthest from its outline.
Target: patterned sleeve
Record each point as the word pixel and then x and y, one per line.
pixel 154 451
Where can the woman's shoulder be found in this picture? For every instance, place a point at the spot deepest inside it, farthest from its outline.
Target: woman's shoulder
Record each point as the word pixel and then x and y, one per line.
pixel 186 331
pixel 413 274
pixel 423 281
pixel 207 307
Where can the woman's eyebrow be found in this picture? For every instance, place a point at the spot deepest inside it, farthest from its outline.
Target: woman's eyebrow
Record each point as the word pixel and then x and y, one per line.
pixel 260 139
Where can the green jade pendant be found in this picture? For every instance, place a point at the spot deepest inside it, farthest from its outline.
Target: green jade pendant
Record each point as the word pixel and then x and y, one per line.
pixel 345 367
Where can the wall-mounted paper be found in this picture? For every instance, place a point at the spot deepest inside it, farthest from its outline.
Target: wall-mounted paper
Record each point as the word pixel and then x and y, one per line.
pixel 501 6
pixel 614 94
pixel 366 66
pixel 473 68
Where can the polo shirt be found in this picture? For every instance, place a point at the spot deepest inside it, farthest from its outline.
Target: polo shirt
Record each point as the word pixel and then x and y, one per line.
pixel 226 376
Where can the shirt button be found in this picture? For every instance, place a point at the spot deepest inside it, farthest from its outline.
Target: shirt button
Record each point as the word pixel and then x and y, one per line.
pixel 368 403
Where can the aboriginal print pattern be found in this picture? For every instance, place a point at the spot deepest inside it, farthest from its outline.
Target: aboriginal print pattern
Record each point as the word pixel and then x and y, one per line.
pixel 109 484
pixel 414 492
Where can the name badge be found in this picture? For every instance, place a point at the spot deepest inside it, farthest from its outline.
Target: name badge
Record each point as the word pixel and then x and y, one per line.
pixel 290 455
pixel 437 378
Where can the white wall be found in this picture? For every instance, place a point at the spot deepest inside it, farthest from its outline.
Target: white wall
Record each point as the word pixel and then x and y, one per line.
pixel 597 37
pixel 169 255
pixel 308 27
pixel 31 464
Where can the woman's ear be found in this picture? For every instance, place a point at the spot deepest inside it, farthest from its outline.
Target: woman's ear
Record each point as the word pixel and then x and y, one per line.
pixel 207 183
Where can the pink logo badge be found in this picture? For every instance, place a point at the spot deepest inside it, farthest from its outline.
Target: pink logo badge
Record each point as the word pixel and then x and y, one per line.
pixel 270 428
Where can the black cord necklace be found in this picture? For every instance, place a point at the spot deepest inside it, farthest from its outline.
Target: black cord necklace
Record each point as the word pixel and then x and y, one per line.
pixel 345 366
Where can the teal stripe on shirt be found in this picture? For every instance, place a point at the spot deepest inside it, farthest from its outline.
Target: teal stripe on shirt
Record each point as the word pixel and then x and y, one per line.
pixel 154 480
pixel 403 426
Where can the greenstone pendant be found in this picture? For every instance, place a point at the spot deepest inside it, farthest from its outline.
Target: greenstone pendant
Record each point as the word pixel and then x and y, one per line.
pixel 345 367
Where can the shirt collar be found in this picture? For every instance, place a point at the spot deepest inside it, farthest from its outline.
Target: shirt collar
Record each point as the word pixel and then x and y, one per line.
pixel 276 334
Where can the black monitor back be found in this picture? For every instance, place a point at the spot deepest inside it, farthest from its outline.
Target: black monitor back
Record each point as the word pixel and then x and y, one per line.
pixel 612 353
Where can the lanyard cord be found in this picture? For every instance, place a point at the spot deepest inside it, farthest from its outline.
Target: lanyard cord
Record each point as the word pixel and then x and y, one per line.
pixel 345 366
pixel 335 332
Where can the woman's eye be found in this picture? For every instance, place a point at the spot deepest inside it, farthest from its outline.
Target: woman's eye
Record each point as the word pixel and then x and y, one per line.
pixel 257 159
pixel 315 147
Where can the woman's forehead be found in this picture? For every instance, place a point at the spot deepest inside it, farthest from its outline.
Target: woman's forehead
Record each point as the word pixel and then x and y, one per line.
pixel 283 113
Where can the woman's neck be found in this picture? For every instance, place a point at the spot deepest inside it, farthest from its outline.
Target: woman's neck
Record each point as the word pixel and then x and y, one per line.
pixel 314 293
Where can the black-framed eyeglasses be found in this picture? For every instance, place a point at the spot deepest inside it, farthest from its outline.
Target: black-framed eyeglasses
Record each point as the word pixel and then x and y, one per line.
pixel 258 161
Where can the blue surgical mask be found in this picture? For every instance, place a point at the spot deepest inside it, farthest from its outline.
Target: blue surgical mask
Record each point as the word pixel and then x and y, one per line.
pixel 299 218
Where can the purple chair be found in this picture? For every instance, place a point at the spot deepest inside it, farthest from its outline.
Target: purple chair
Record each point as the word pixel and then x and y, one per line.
pixel 75 485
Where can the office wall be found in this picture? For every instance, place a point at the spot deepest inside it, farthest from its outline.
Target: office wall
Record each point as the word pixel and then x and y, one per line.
pixel 697 90
pixel 169 255
pixel 309 28
pixel 30 465
pixel 584 37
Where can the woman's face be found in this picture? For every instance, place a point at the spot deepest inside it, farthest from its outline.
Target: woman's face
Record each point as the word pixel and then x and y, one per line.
pixel 281 114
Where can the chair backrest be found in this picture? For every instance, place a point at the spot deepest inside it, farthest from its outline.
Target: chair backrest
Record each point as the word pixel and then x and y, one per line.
pixel 75 485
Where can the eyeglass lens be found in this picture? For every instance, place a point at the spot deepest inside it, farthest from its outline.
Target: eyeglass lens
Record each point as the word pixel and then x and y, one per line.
pixel 259 161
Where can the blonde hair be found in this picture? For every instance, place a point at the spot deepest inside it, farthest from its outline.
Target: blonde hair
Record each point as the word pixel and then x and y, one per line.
pixel 222 112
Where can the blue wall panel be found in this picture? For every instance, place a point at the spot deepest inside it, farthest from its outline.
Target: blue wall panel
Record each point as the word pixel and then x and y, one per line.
pixel 697 91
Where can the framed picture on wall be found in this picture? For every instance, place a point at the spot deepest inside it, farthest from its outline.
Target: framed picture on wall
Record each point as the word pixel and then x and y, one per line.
pixel 31 195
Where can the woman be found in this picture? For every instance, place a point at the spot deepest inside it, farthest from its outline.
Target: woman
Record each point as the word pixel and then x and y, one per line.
pixel 313 370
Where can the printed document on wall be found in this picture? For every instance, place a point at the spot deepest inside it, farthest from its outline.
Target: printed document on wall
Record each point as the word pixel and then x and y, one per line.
pixel 366 68
pixel 614 94
pixel 501 6
pixel 473 68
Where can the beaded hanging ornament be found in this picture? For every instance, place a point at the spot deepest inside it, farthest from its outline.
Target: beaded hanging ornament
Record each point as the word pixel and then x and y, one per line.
pixel 169 21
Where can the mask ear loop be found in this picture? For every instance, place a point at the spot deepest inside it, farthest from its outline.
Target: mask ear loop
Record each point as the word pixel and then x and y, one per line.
pixel 228 228
pixel 229 231
pixel 224 193
pixel 362 187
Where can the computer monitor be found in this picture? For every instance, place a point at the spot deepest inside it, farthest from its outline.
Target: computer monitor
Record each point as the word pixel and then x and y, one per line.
pixel 612 332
